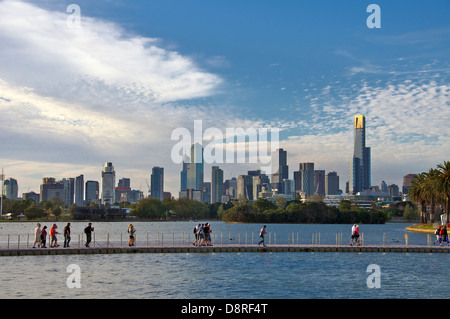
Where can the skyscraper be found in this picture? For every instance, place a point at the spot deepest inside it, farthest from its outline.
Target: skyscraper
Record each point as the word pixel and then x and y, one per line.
pixel 307 178
pixel 359 177
pixel 92 191
pixel 157 183
pixel 195 168
pixel 11 188
pixel 280 169
pixel 331 183
pixel 216 184
pixel 79 190
pixel 108 184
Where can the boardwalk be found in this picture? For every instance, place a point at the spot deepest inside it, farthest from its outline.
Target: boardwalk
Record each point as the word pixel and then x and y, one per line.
pixel 224 249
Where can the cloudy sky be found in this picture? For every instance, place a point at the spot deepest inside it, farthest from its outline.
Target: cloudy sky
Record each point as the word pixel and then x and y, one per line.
pixel 114 84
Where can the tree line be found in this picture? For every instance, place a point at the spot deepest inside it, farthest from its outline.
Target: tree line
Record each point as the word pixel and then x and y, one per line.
pixel 432 189
pixel 309 212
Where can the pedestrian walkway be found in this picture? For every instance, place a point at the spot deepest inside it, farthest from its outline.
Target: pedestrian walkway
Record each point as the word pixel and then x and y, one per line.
pixel 224 249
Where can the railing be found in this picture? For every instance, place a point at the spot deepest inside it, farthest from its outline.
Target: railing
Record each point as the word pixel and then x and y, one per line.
pixel 160 239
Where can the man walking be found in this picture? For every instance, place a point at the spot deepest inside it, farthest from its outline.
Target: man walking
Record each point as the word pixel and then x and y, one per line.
pixel 88 231
pixel 262 234
pixel 67 235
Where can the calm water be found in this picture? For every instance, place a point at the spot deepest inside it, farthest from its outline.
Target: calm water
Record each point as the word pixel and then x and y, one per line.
pixel 229 275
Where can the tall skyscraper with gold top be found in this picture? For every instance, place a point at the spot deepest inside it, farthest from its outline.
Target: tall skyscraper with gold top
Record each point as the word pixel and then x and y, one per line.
pixel 359 177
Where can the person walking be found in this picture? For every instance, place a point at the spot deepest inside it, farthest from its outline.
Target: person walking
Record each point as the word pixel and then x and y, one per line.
pixel 37 236
pixel 444 236
pixel 437 232
pixel 43 237
pixel 131 231
pixel 88 231
pixel 53 239
pixel 67 235
pixel 353 238
pixel 262 234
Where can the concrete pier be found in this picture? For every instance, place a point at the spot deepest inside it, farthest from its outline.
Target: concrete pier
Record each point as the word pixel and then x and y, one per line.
pixel 224 249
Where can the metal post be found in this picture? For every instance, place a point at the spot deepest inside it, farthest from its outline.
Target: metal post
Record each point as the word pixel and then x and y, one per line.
pixel 18 241
pixel 8 241
pixel 107 240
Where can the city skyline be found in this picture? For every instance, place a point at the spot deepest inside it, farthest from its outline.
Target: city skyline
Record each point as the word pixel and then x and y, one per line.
pixel 67 105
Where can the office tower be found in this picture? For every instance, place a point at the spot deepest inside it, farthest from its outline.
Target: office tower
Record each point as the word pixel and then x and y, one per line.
pixel 319 182
pixel 183 174
pixel 108 184
pixel 79 190
pixel 157 183
pixel 207 192
pixel 331 183
pixel 360 178
pixel 393 190
pixel 216 184
pixel 31 195
pixel 244 187
pixel 307 177
pixel 195 168
pixel 407 179
pixel 92 192
pixel 11 189
pixel 122 191
pixel 280 169
pixel 384 188
pixel 50 188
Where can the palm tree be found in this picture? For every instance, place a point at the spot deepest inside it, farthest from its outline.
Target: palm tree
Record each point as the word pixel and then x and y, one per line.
pixel 417 194
pixel 431 192
pixel 443 184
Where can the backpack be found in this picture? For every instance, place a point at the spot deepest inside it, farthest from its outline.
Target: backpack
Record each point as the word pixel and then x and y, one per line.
pixel 356 231
pixel 195 230
pixel 437 232
pixel 87 230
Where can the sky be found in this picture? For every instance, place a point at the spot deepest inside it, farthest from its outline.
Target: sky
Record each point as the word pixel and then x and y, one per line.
pixel 110 81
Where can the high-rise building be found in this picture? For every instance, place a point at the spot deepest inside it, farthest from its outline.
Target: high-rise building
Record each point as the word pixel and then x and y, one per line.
pixel 123 190
pixel 108 184
pixel 319 182
pixel 407 179
pixel 280 169
pixel 331 183
pixel 51 188
pixel 307 177
pixel 79 190
pixel 11 189
pixel 216 184
pixel 92 192
pixel 195 168
pixel 157 183
pixel 360 176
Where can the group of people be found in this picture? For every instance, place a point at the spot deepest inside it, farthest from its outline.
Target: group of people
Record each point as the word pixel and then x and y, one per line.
pixel 40 236
pixel 441 235
pixel 202 233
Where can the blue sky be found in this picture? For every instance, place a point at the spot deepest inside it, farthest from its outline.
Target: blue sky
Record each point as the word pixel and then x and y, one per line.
pixel 136 70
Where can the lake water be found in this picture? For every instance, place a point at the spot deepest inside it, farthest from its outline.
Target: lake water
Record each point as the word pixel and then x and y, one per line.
pixel 227 275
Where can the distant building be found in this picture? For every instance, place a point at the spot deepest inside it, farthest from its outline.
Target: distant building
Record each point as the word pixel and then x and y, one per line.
pixel 31 195
pixel 108 184
pixel 79 190
pixel 331 183
pixel 216 184
pixel 407 179
pixel 157 183
pixel 360 176
pixel 11 189
pixel 92 192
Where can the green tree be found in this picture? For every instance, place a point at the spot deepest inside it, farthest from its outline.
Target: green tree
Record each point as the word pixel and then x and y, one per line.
pixel 417 194
pixel 443 184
